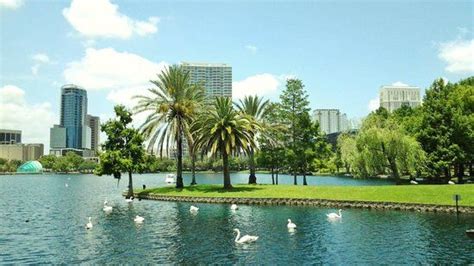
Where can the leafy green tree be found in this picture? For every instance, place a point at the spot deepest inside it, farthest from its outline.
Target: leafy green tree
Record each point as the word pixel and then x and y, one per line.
pixel 87 166
pixel 437 130
pixel 62 165
pixel 172 107
pixel 73 160
pixel 222 130
pixel 294 106
pixel 123 150
pixel 47 161
pixel 306 142
pixel 257 108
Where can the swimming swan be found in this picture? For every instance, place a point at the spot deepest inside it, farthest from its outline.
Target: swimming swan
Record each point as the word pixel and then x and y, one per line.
pixel 451 182
pixel 234 207
pixel 107 208
pixel 138 219
pixel 291 225
pixel 193 209
pixel 129 200
pixel 413 182
pixel 89 224
pixel 334 215
pixel 245 238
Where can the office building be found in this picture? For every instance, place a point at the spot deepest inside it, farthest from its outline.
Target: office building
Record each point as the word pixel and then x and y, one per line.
pixel 21 152
pixel 73 115
pixel 8 136
pixel 331 120
pixel 393 97
pixel 73 132
pixel 215 78
pixel 94 123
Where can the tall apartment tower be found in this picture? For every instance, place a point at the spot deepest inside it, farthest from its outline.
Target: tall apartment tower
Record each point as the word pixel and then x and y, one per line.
pixel 331 120
pixel 393 97
pixel 94 123
pixel 216 78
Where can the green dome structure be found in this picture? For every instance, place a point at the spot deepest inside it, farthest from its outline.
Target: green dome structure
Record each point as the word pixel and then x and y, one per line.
pixel 30 167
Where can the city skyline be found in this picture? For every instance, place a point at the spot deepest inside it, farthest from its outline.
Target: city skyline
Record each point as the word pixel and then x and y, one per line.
pixel 342 56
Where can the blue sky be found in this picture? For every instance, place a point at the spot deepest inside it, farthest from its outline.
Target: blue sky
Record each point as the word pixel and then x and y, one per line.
pixel 342 50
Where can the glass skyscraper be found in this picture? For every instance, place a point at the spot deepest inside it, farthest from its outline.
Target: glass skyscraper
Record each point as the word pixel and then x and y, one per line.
pixel 73 115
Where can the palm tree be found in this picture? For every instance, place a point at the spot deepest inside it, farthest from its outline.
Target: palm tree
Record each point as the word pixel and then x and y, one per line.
pixel 171 108
pixel 222 129
pixel 257 108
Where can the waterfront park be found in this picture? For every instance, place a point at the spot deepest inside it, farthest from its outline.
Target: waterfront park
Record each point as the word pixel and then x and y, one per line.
pixel 182 177
pixel 391 201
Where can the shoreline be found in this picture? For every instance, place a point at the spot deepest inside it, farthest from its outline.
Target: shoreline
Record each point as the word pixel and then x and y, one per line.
pixel 399 206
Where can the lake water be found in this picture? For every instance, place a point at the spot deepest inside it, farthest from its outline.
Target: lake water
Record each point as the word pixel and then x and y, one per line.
pixel 57 214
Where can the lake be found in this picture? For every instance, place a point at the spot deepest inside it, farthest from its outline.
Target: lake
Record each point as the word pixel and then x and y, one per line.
pixel 57 214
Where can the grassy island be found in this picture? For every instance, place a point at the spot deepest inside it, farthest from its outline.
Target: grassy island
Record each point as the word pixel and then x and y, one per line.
pixel 421 194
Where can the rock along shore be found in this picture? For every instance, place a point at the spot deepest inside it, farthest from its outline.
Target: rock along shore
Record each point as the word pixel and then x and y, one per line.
pixel 312 202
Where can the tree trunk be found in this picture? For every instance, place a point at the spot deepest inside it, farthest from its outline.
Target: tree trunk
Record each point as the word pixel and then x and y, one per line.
pixel 460 173
pixel 471 169
pixel 276 176
pixel 252 176
pixel 130 185
pixel 394 169
pixel 295 181
pixel 179 168
pixel 304 177
pixel 273 176
pixel 447 172
pixel 193 168
pixel 225 164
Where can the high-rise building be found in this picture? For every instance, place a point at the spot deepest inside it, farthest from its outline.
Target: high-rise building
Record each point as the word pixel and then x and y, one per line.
pixel 21 152
pixel 331 120
pixel 393 97
pixel 216 78
pixel 94 123
pixel 73 115
pixel 73 132
pixel 8 136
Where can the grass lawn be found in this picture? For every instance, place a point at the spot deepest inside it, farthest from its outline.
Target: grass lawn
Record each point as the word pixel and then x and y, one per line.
pixel 425 194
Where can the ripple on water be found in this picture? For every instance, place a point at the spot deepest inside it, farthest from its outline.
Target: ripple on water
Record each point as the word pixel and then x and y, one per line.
pixel 55 232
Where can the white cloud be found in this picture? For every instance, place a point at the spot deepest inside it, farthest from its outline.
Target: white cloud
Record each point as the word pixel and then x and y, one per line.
pixel 374 104
pixel 108 69
pixel 400 84
pixel 459 55
pixel 42 58
pixel 34 69
pixel 261 84
pixel 101 18
pixel 253 49
pixel 34 120
pixel 12 4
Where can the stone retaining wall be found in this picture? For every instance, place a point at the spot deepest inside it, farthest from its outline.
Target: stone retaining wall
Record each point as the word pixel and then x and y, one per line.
pixel 312 202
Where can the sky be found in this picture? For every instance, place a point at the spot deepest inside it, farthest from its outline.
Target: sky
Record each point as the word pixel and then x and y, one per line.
pixel 343 51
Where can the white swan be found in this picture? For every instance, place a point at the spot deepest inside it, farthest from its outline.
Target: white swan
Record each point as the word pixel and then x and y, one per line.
pixel 291 225
pixel 193 209
pixel 245 238
pixel 451 182
pixel 129 200
pixel 89 224
pixel 106 207
pixel 138 219
pixel 334 215
pixel 234 207
pixel 413 182
pixel 66 185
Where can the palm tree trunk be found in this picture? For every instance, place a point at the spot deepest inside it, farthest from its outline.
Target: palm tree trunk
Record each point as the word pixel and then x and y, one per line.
pixel 130 185
pixel 252 176
pixel 225 164
pixel 179 168
pixel 295 181
pixel 193 168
